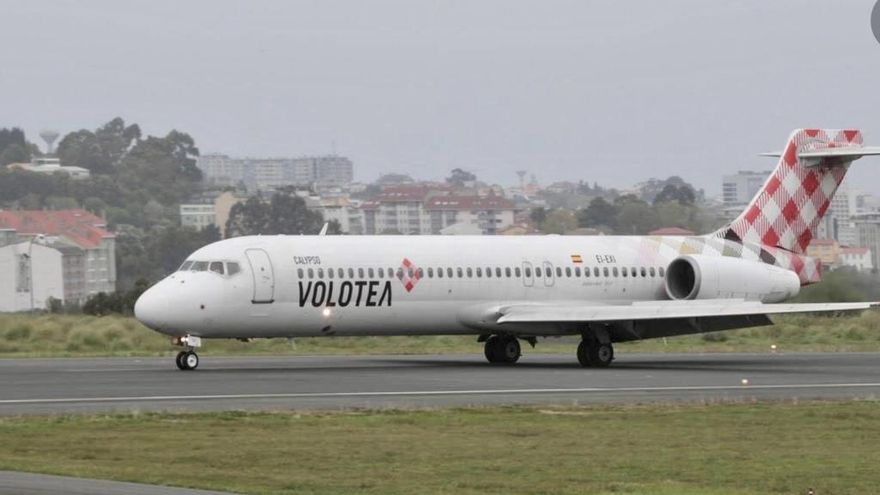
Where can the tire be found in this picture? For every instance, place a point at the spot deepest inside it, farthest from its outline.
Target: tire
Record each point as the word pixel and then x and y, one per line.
pixel 490 349
pixel 191 360
pixel 583 354
pixel 509 350
pixel 601 355
pixel 179 360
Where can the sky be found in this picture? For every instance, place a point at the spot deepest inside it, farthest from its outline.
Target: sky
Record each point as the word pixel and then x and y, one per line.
pixel 609 91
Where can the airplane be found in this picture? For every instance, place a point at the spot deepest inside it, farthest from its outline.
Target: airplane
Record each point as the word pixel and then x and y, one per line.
pixel 507 289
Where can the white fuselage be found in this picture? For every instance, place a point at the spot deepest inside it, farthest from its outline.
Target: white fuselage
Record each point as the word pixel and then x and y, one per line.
pixel 285 287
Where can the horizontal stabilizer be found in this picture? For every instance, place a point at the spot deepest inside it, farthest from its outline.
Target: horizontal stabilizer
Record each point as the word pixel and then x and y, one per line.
pixel 658 310
pixel 812 157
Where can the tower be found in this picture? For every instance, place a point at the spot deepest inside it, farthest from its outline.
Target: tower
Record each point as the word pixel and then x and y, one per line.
pixel 522 179
pixel 49 136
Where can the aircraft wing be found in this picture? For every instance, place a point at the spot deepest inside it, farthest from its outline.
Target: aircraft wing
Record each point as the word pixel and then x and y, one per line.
pixel 659 310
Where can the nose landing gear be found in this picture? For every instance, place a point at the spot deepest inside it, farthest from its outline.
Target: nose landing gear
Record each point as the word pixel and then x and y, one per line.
pixel 187 359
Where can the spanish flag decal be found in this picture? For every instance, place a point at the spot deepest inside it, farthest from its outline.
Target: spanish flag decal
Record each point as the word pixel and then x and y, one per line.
pixel 576 258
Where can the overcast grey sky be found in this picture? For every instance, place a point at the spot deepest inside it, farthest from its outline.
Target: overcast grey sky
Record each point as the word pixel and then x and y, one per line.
pixel 613 91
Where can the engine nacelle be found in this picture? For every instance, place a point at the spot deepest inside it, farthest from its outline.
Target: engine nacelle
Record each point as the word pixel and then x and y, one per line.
pixel 714 277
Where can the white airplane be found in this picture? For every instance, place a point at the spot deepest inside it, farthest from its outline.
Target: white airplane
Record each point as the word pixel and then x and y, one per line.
pixel 503 289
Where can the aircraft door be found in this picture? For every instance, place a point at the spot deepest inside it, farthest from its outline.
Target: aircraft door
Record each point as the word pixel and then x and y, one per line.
pixel 549 278
pixel 527 279
pixel 264 277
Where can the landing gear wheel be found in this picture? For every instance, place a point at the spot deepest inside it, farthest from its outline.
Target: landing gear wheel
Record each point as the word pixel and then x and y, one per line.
pixel 502 349
pixel 190 360
pixel 595 355
pixel 508 350
pixel 179 360
pixel 490 349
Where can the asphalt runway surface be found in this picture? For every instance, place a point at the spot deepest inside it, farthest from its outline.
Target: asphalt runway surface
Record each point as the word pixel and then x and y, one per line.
pixel 14 483
pixel 58 386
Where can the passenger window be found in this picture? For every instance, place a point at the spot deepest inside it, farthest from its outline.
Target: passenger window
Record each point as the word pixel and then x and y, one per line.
pixel 596 271
pixel 577 271
pixel 311 273
pixel 351 273
pixel 420 273
pixel 558 272
pixel 614 271
pixel 548 271
pixel 651 271
pixel 605 271
pixel 400 273
pixel 320 273
pixel 662 272
pixel 488 273
pixel 371 273
pixel 633 271
pixel 299 272
pixel 390 272
pixel 459 272
pixel 587 272
pixel 340 273
pixel 470 272
pixel 624 271
pixel 200 266
pixel 498 272
pixel 217 267
pixel 449 272
pixel 381 272
pixel 528 271
pixel 330 273
pixel 644 272
pixel 507 272
pixel 479 272
pixel 430 272
pixel 568 271
pixel 517 271
pixel 360 273
pixel 439 273
pixel 185 266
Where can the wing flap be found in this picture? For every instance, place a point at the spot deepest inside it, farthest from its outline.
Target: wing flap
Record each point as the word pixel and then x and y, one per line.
pixel 658 310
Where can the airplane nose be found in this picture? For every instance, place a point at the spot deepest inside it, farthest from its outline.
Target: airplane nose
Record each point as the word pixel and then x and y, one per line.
pixel 151 308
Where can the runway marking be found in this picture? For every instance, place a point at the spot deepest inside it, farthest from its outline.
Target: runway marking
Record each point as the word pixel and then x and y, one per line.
pixel 429 393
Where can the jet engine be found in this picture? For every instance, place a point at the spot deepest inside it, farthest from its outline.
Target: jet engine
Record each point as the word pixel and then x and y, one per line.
pixel 711 277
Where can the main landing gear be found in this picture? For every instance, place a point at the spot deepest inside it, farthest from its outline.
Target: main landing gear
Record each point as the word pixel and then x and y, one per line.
pixel 502 349
pixel 187 359
pixel 592 354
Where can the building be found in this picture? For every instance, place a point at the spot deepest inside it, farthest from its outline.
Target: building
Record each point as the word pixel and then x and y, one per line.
pixel 31 274
pixel 737 190
pixel 88 250
pixel 50 165
pixel 856 257
pixel 827 251
pixel 209 211
pixel 344 211
pixel 486 215
pixel 671 231
pixel 400 210
pixel 867 226
pixel 266 174
pixel 198 216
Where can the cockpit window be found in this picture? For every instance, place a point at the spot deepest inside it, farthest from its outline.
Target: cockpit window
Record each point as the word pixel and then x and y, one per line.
pixel 199 266
pixel 232 268
pixel 217 267
pixel 185 266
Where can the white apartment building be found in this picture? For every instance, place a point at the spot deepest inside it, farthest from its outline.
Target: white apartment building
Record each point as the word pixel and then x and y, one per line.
pixel 266 174
pixel 31 274
pixel 856 257
pixel 198 216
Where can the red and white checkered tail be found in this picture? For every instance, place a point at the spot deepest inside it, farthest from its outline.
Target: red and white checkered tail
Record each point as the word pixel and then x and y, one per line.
pixel 787 210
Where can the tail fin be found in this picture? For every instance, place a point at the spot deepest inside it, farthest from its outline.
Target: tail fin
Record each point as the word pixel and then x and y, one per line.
pixel 787 210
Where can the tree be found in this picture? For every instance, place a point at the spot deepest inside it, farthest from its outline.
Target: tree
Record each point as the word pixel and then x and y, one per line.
pixel 14 147
pixel 598 213
pixel 538 215
pixel 283 214
pixel 682 194
pixel 559 221
pixel 101 150
pixel 393 178
pixel 460 178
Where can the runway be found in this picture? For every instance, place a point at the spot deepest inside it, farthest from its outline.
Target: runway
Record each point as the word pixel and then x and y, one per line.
pixel 52 386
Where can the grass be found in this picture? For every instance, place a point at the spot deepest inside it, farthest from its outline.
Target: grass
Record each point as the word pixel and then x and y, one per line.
pixel 24 335
pixel 732 448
